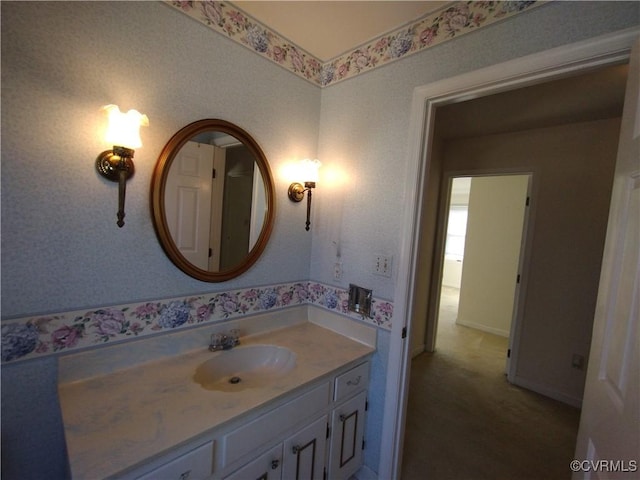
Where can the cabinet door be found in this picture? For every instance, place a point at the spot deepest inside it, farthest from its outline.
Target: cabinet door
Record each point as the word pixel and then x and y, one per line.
pixel 347 435
pixel 266 467
pixel 304 452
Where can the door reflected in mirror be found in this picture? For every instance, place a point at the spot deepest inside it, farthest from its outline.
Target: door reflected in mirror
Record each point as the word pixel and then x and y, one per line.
pixel 212 200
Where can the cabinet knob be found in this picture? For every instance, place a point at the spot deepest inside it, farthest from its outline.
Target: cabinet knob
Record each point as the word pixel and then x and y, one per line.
pixel 343 418
pixel 185 475
pixel 295 449
pixel 275 464
pixel 356 381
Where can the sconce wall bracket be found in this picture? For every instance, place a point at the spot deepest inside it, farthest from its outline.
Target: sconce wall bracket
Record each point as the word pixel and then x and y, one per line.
pixel 296 190
pixel 117 165
pixel 296 194
pixel 110 162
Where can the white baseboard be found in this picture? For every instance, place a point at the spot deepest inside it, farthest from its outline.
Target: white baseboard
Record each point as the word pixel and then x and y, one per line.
pixel 417 350
pixel 365 473
pixel 484 328
pixel 548 391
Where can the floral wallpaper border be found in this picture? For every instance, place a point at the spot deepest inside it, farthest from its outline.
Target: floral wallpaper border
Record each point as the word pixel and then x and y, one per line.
pixel 31 337
pixel 452 21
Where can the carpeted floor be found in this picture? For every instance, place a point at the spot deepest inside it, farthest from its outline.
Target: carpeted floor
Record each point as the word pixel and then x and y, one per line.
pixel 466 422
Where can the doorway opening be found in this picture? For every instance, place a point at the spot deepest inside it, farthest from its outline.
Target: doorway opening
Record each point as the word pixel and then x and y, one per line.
pixel 484 218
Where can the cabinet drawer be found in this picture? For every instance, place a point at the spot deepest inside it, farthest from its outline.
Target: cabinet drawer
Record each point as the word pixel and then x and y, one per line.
pixel 194 465
pixel 352 381
pixel 272 424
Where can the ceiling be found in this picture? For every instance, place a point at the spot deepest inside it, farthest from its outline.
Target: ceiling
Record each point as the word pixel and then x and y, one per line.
pixel 327 29
pixel 591 96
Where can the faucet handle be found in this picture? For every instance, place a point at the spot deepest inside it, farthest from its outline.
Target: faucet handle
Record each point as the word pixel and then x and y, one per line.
pixel 235 335
pixel 223 341
pixel 217 339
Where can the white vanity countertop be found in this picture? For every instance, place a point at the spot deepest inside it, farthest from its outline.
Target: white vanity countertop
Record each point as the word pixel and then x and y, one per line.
pixel 119 420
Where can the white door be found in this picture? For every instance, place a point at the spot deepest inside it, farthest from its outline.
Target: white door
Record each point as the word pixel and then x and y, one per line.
pixel 188 201
pixel 608 443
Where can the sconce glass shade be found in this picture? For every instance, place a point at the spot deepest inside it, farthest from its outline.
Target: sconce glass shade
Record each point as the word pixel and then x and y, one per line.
pixel 124 128
pixel 309 170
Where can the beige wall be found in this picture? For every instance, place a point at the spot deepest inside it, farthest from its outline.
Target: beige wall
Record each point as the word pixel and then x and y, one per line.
pixel 572 169
pixel 492 252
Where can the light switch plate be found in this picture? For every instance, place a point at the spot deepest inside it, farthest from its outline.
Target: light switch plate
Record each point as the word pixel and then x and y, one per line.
pixel 382 265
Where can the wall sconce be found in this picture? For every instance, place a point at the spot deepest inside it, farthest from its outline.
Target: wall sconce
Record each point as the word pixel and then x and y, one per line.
pixel 116 165
pixel 309 172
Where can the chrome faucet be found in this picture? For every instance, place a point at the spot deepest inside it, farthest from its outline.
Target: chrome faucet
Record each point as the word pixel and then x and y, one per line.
pixel 224 341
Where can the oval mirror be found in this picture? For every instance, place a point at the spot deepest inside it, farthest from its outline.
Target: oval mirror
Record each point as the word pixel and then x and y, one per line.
pixel 212 200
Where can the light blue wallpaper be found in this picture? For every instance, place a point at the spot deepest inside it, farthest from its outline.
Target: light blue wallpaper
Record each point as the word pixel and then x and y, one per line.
pixel 376 400
pixel 366 143
pixel 61 249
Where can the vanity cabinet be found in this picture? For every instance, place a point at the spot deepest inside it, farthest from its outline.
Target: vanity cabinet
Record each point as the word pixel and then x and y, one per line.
pixel 314 434
pixel 288 423
pixel 300 456
pixel 329 447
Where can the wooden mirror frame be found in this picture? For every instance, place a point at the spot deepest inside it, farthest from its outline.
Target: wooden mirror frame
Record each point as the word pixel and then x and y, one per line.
pixel 158 184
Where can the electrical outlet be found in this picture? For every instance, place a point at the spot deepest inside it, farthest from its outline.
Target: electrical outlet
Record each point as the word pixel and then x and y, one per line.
pixel 577 361
pixel 382 265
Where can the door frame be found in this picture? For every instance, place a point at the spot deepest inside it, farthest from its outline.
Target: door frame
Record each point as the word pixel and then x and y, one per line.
pixel 556 63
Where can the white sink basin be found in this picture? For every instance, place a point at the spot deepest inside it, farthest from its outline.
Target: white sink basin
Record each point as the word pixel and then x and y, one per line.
pixel 244 367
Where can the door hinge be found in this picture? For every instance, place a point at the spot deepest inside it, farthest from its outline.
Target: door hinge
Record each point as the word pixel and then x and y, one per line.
pixel 404 332
pixel 527 202
pixel 509 353
pixel 324 473
pixel 210 253
pixel 328 430
pixel 213 173
pixel 518 279
pixel 366 405
pixel 363 443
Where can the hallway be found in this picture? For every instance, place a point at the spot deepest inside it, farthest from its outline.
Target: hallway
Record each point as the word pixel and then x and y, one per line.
pixel 465 421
